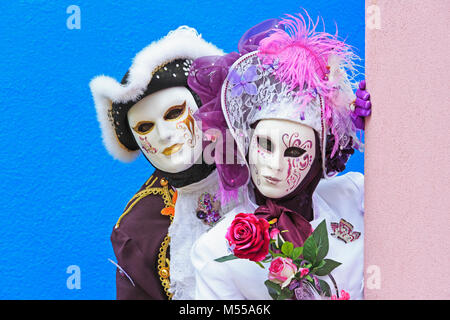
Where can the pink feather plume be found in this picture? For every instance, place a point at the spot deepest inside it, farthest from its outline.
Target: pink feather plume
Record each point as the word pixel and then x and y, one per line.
pixel 310 62
pixel 302 53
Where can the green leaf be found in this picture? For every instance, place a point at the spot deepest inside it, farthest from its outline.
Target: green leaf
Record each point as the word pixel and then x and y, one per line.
pixel 285 294
pixel 325 288
pixel 226 258
pixel 273 288
pixel 329 266
pixel 297 252
pixel 272 285
pixel 320 236
pixel 321 264
pixel 268 259
pixel 259 264
pixel 310 249
pixel 287 248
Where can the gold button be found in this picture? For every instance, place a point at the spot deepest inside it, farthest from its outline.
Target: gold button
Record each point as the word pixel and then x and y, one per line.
pixel 163 182
pixel 164 273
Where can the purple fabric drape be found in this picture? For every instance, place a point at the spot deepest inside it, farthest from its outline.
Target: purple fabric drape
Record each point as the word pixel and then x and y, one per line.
pixel 298 227
pixel 206 78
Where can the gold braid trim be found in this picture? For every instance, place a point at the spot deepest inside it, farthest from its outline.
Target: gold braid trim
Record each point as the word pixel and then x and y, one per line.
pixel 163 261
pixel 163 191
pixel 167 195
pixel 164 265
pixel 153 182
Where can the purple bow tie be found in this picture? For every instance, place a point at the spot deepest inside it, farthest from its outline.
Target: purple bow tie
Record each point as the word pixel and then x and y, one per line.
pixel 299 229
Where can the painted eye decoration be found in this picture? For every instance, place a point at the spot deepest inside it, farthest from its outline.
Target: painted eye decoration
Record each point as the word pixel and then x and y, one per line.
pixel 294 152
pixel 175 112
pixel 265 143
pixel 143 127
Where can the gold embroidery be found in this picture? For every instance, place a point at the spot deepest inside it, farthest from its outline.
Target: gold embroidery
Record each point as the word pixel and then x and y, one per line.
pixel 152 183
pixel 164 265
pixel 170 211
pixel 163 191
pixel 169 198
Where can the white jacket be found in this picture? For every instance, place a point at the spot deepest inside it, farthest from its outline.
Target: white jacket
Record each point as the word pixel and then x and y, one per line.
pixel 334 199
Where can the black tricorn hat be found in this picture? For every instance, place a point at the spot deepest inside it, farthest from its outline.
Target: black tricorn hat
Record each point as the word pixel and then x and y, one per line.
pixel 163 64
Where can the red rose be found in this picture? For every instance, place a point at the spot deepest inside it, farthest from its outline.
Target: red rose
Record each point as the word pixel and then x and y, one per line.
pixel 248 236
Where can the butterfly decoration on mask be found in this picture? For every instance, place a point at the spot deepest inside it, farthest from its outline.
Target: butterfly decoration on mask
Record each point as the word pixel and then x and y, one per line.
pixel 243 82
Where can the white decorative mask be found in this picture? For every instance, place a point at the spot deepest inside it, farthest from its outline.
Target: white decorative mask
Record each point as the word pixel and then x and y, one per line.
pixel 165 129
pixel 281 154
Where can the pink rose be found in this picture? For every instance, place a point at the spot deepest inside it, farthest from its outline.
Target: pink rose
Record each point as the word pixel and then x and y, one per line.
pixel 282 270
pixel 249 237
pixel 304 272
pixel 344 296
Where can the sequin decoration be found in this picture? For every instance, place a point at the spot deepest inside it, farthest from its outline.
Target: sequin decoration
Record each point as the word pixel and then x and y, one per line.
pixel 208 208
pixel 344 231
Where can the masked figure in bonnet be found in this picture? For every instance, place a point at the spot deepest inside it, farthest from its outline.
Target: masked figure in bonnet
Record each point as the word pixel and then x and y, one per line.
pixel 289 84
pixel 151 111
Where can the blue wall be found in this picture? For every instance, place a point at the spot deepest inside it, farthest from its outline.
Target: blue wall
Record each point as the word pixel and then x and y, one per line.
pixel 61 192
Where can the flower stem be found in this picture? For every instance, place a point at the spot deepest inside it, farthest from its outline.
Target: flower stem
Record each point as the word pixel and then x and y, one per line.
pixel 335 285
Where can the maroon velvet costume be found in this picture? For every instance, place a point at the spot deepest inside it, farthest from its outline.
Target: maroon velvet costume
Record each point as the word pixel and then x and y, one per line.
pixel 137 241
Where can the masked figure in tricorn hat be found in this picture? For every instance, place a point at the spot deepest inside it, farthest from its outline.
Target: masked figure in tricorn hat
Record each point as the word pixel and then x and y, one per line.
pixel 151 111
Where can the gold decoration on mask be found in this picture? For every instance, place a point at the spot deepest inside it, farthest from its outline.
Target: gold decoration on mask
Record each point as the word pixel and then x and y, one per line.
pixel 189 122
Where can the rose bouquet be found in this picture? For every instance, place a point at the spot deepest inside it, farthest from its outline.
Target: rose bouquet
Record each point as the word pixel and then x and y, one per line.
pixel 294 271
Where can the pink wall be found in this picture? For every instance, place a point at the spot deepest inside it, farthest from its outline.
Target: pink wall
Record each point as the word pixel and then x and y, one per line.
pixel 407 159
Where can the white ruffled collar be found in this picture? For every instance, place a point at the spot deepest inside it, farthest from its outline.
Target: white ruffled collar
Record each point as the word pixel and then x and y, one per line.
pixel 197 187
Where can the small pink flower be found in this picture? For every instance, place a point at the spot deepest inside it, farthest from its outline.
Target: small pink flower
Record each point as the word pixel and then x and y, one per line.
pixel 304 272
pixel 344 296
pixel 274 233
pixel 282 270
